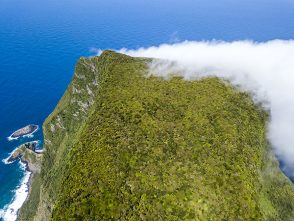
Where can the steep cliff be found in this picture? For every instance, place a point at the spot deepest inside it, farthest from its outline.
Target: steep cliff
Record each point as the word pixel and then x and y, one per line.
pixel 124 145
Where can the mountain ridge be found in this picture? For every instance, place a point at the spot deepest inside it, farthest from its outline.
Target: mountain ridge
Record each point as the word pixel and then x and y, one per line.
pixel 165 149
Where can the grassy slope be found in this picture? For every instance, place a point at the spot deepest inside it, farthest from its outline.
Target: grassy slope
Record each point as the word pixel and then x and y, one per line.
pixel 151 149
pixel 61 130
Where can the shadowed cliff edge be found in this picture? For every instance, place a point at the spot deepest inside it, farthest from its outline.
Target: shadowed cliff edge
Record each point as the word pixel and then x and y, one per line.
pixel 125 145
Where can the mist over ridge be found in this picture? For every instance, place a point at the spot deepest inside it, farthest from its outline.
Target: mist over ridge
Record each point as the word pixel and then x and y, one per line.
pixel 265 69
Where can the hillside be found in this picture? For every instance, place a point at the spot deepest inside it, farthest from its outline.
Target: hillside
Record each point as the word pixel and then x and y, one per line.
pixel 123 145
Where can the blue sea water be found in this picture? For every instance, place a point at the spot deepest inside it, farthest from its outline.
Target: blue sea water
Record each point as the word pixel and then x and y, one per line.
pixel 40 42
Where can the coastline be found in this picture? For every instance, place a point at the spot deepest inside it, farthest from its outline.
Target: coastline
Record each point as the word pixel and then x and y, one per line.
pixel 6 160
pixel 28 183
pixel 11 210
pixel 37 151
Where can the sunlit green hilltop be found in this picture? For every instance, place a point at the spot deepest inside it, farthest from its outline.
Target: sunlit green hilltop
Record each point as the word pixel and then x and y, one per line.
pixel 122 145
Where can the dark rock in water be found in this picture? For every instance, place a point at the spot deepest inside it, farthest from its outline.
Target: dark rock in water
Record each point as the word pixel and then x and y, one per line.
pixel 24 131
pixel 27 154
pixel 31 145
pixel 18 153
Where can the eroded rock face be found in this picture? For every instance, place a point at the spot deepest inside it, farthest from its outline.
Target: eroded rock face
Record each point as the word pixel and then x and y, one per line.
pixel 24 131
pixel 16 155
pixel 31 145
pixel 28 155
pixel 60 129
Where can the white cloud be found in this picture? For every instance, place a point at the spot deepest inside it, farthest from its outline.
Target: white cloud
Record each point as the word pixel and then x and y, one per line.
pixel 266 69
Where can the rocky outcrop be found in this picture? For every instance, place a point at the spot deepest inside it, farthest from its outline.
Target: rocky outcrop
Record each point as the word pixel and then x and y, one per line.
pixel 24 131
pixel 28 154
pixel 60 129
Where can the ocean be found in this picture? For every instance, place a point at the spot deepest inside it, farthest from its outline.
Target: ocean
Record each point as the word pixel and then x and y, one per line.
pixel 40 42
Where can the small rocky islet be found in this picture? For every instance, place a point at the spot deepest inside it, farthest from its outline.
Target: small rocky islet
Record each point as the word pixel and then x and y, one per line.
pixel 29 129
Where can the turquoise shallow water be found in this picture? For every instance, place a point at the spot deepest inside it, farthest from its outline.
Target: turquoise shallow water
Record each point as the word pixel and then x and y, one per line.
pixel 40 43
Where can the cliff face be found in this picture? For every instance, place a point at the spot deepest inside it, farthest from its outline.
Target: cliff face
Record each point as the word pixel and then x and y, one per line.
pixel 61 130
pixel 124 146
pixel 27 153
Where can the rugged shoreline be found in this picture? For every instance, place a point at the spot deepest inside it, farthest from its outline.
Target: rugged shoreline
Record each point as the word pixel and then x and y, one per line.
pixel 28 184
pixel 11 212
pixel 19 151
pixel 30 160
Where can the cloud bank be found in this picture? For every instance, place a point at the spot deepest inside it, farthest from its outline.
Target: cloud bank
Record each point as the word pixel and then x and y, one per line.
pixel 265 69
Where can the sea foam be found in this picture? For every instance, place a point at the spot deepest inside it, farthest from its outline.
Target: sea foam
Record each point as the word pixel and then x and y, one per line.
pixel 10 211
pixel 5 161
pixel 30 135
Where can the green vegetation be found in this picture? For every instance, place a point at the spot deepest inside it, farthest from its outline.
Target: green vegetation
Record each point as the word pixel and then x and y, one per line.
pixel 28 209
pixel 26 153
pixel 124 146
